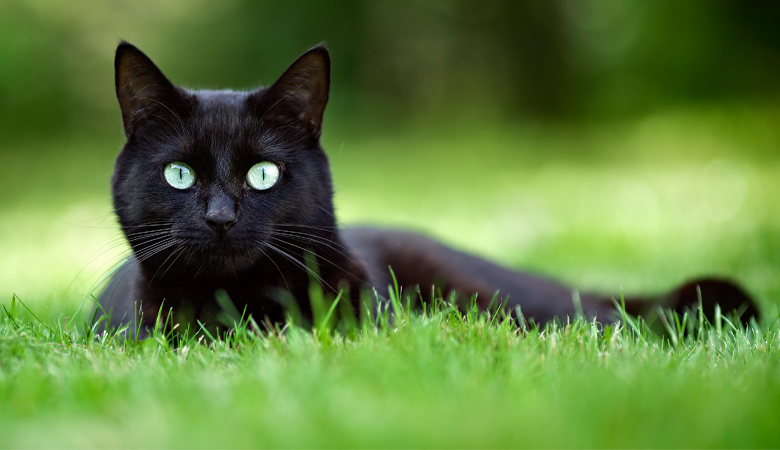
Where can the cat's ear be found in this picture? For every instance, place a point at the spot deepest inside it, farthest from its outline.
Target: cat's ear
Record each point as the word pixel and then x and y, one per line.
pixel 300 94
pixel 144 93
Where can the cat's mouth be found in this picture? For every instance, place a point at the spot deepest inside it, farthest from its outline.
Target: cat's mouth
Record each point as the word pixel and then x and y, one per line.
pixel 191 251
pixel 222 256
pixel 223 260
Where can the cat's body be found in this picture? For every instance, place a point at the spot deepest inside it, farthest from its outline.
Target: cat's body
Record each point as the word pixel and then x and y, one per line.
pixel 223 190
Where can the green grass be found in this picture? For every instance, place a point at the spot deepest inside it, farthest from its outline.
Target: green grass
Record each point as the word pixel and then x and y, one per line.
pixel 426 379
pixel 640 204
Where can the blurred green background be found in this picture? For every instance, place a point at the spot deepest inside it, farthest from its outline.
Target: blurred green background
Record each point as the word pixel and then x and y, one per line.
pixel 610 144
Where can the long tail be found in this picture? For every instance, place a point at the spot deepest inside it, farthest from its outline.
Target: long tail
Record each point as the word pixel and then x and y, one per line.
pixel 729 296
pixel 420 261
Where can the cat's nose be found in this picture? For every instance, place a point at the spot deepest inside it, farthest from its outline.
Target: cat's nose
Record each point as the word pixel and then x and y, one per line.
pixel 220 222
pixel 221 212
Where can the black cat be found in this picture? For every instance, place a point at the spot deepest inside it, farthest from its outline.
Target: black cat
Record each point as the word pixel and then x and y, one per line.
pixel 223 190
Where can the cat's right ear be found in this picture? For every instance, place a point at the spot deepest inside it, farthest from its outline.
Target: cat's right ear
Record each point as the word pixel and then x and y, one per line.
pixel 144 93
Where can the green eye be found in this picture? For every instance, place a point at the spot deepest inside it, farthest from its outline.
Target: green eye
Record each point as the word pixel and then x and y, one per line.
pixel 179 175
pixel 263 175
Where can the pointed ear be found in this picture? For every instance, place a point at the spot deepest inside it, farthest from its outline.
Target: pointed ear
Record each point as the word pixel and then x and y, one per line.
pixel 300 94
pixel 143 92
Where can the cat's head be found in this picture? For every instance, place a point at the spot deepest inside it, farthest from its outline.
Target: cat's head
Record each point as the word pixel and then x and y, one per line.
pixel 209 175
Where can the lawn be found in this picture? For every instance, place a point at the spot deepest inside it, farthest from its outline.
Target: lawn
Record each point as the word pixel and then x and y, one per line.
pixel 637 205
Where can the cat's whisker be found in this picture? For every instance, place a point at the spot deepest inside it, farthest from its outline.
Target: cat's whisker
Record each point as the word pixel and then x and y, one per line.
pixel 148 253
pixel 328 212
pixel 110 262
pixel 112 244
pixel 151 243
pixel 332 215
pixel 190 255
pixel 167 258
pixel 320 257
pixel 309 237
pixel 135 262
pixel 151 252
pixel 125 237
pixel 324 238
pixel 157 242
pixel 277 268
pixel 105 247
pixel 143 232
pixel 299 264
pixel 98 254
pixel 313 227
pixel 117 226
pixel 81 224
pixel 304 249
pixel 145 254
pixel 178 251
pixel 141 242
pixel 151 224
pixel 109 246
pixel 200 269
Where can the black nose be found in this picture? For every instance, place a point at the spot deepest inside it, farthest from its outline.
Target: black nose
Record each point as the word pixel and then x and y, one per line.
pixel 221 221
pixel 220 211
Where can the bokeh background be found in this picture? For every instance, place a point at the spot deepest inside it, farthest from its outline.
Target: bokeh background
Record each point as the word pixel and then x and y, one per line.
pixel 609 144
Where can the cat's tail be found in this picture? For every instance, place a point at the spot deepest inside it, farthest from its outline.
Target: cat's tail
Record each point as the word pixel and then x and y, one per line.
pixel 705 292
pixel 417 260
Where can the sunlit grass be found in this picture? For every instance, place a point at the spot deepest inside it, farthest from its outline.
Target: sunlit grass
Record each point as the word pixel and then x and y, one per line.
pixel 433 378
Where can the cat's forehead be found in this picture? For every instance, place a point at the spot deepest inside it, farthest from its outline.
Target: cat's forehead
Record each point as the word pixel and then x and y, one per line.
pixel 223 117
pixel 225 128
pixel 221 109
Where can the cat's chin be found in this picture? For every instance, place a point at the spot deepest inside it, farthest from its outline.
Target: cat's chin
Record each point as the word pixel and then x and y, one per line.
pixel 222 261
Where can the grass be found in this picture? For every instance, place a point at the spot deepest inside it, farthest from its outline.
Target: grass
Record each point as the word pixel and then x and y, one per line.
pixel 428 379
pixel 640 204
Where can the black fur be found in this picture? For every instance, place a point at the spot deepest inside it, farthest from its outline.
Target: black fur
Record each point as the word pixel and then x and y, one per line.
pixel 180 258
pixel 222 234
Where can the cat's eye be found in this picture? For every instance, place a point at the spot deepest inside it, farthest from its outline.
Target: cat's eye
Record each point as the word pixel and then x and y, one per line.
pixel 263 175
pixel 179 175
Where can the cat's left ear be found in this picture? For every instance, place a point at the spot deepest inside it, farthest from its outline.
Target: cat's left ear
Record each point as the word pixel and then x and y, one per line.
pixel 300 94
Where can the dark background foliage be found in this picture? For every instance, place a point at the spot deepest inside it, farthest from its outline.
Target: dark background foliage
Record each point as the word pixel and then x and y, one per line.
pixel 396 60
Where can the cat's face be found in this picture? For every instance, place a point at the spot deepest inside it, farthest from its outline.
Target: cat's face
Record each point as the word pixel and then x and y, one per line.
pixel 207 176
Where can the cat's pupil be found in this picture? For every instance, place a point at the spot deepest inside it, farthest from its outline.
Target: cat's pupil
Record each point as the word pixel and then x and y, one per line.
pixel 263 174
pixel 181 174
